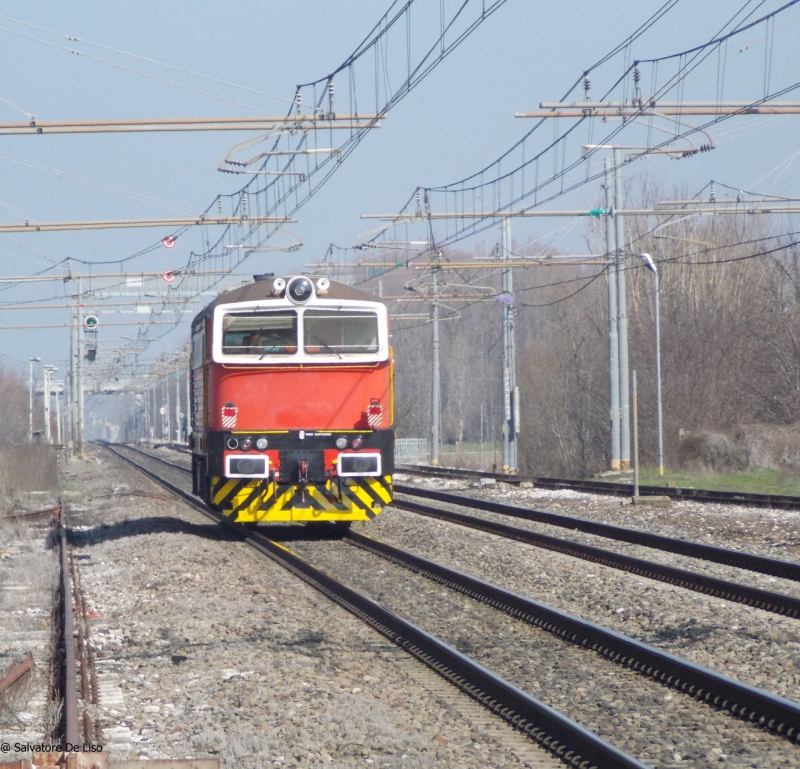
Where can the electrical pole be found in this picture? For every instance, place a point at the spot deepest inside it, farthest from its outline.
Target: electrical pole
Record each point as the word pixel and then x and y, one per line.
pixel 58 412
pixel 79 373
pixel 177 405
pixel 613 336
pixel 46 373
pixel 624 389
pixel 435 385
pixel 73 382
pixel 31 361
pixel 510 390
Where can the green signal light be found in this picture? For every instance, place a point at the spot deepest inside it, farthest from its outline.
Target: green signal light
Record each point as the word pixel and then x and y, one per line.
pixel 90 321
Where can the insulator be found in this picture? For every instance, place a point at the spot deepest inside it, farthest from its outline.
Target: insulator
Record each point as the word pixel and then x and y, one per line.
pixel 636 76
pixel 219 205
pixel 244 203
pixel 712 195
pixel 586 87
pixel 298 100
pixel 330 96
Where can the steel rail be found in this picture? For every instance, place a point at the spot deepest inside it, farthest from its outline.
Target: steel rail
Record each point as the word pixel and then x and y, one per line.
pixel 767 600
pixel 777 603
pixel 72 734
pixel 746 499
pixel 745 701
pixel 742 700
pixel 758 563
pixel 157 459
pixel 545 725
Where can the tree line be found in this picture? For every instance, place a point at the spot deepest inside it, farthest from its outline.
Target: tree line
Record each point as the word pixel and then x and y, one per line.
pixel 730 330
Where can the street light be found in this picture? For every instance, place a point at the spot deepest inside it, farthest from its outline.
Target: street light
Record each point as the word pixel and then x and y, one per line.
pixel 648 262
pixel 31 361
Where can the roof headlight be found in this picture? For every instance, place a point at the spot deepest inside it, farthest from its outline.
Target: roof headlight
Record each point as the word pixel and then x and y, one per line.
pixel 299 289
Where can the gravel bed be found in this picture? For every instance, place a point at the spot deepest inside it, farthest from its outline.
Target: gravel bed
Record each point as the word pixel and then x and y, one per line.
pixel 29 573
pixel 660 726
pixel 774 533
pixel 205 647
pixel 593 508
pixel 755 646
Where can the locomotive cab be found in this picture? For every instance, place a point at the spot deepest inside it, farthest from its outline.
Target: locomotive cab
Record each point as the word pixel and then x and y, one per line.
pixel 292 402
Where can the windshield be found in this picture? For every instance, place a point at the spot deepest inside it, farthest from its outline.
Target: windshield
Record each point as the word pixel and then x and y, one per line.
pixel 260 333
pixel 340 333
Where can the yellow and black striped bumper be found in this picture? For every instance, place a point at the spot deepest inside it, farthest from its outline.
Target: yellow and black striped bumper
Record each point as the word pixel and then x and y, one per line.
pixel 257 500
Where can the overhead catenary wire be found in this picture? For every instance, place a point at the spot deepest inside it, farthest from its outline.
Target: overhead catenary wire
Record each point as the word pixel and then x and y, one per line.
pixel 92 183
pixel 75 39
pixel 136 71
pixel 480 183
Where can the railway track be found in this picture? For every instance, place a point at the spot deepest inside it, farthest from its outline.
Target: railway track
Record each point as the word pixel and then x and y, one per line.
pixel 772 712
pixel 767 600
pixel 746 499
pixel 78 688
pixel 79 735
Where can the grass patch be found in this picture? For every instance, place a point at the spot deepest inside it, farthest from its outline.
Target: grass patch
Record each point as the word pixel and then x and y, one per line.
pixel 763 481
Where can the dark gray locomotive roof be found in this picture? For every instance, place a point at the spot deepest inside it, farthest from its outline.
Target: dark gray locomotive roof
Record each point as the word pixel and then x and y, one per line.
pixel 261 289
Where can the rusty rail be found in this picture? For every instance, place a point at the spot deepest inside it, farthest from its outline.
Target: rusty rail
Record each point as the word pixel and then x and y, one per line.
pixel 31 515
pixel 72 734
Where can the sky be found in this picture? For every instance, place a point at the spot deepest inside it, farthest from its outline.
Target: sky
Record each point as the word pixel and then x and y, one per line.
pixel 460 119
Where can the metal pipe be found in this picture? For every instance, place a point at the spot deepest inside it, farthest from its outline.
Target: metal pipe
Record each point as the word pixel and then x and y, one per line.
pixel 622 329
pixel 509 356
pixel 124 223
pixel 635 439
pixel 656 104
pixel 435 385
pixel 658 375
pixel 79 374
pixel 711 209
pixel 481 452
pixel 613 336
pixel 128 276
pixel 189 124
pixel 144 321
pixel 46 372
pixel 31 361
pixel 646 111
pixel 58 414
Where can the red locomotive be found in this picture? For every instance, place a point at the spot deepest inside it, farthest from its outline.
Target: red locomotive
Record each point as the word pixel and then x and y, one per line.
pixel 292 402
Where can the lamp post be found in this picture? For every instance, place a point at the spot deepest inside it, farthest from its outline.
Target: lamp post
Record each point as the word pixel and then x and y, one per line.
pixel 648 262
pixel 31 361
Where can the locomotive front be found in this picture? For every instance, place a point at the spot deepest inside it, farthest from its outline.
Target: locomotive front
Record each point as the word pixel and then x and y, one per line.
pixel 292 402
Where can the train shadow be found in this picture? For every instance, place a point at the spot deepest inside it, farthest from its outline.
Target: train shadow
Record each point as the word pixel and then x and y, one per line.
pixel 136 527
